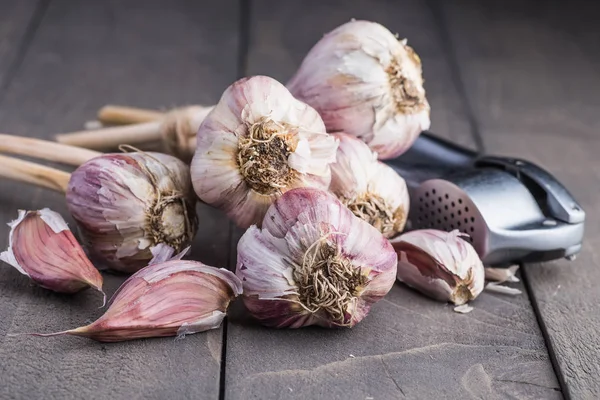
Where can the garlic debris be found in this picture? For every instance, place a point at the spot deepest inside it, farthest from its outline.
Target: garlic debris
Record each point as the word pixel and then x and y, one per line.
pixel 257 143
pixel 366 82
pixel 440 265
pixel 372 190
pixel 313 263
pixel 167 299
pixel 42 247
pixel 125 204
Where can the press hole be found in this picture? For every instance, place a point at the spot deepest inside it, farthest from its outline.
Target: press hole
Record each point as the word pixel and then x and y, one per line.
pixel 452 204
pixel 466 209
pixel 459 212
pixel 445 218
pixel 440 210
pixel 433 191
pixel 440 199
pixel 432 212
pixel 451 215
pixel 451 226
pixel 466 220
pixel 439 222
pixel 472 219
pixel 446 207
pixel 421 209
pixel 446 196
pixel 426 194
pixel 472 229
pixel 459 201
pixel 432 202
pixel 458 223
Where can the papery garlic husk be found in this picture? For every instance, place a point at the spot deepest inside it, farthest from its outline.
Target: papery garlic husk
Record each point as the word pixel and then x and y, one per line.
pixel 441 265
pixel 372 190
pixel 42 247
pixel 313 263
pixel 366 82
pixel 257 143
pixel 125 204
pixel 173 298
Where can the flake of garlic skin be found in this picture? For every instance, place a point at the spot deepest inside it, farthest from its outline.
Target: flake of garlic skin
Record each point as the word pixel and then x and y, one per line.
pixel 173 298
pixel 256 144
pixel 367 83
pixel 313 263
pixel 440 265
pixel 125 204
pixel 502 289
pixel 42 247
pixel 372 190
pixel 463 309
pixel 500 275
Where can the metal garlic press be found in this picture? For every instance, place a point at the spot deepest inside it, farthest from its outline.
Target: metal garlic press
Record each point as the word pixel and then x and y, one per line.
pixel 512 210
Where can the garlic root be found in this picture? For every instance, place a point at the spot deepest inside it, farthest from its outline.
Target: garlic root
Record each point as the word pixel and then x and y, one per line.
pixel 112 114
pixel 38 175
pixel 45 150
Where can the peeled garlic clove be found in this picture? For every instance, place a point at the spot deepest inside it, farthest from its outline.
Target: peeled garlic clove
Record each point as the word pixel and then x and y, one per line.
pixel 370 189
pixel 440 265
pixel 257 143
pixel 125 204
pixel 313 263
pixel 42 247
pixel 167 299
pixel 366 82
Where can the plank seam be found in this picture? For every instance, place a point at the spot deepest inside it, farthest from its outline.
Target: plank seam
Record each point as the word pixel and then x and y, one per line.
pixel 450 53
pixel 32 28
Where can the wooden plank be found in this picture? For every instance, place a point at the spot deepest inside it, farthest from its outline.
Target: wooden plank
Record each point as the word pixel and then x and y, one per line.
pixel 532 70
pixel 17 18
pixel 408 346
pixel 86 54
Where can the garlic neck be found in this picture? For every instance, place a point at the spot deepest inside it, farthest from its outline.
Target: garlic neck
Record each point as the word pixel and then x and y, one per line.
pixel 263 157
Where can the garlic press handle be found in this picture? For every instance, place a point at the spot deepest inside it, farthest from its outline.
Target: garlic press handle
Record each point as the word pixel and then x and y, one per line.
pixel 555 199
pixel 431 150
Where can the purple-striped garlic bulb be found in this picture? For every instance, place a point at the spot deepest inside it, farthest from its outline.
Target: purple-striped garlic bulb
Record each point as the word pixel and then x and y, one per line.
pixel 441 265
pixel 372 190
pixel 367 83
pixel 126 204
pixel 42 247
pixel 256 144
pixel 313 263
pixel 171 298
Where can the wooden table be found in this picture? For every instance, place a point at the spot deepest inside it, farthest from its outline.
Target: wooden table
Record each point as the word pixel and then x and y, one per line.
pixel 514 78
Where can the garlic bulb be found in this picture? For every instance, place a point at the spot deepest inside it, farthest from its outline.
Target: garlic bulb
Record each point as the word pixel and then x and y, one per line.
pixel 313 263
pixel 440 265
pixel 125 204
pixel 43 248
pixel 257 143
pixel 372 190
pixel 167 299
pixel 366 82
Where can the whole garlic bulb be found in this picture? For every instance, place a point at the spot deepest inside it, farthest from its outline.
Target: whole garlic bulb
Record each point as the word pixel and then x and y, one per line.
pixel 366 82
pixel 372 190
pixel 313 263
pixel 257 143
pixel 126 204
pixel 440 265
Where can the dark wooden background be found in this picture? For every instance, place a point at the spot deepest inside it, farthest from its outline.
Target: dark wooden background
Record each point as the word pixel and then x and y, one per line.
pixel 509 77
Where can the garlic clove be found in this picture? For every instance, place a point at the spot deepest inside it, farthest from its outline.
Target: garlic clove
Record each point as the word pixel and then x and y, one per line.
pixel 257 143
pixel 372 190
pixel 126 204
pixel 364 81
pixel 313 263
pixel 42 247
pixel 173 298
pixel 440 265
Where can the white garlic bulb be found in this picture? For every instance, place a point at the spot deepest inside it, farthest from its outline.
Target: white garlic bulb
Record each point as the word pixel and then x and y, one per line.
pixel 256 144
pixel 367 83
pixel 372 190
pixel 441 265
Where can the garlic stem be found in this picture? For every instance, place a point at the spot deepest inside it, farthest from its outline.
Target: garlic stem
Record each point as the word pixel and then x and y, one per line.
pixel 109 138
pixel 122 115
pixel 39 175
pixel 45 150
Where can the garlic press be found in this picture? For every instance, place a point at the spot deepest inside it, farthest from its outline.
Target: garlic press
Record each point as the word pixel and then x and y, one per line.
pixel 513 210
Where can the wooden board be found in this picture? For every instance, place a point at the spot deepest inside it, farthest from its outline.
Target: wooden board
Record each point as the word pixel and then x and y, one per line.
pixel 83 55
pixel 18 20
pixel 408 346
pixel 532 70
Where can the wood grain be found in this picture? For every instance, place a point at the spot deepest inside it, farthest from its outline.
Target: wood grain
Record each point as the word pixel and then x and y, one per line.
pixel 409 346
pixel 533 70
pixel 84 55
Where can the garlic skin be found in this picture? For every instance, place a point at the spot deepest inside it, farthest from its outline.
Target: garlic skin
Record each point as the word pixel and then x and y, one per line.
pixel 257 143
pixel 313 263
pixel 364 81
pixel 440 265
pixel 125 204
pixel 173 298
pixel 42 247
pixel 372 190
